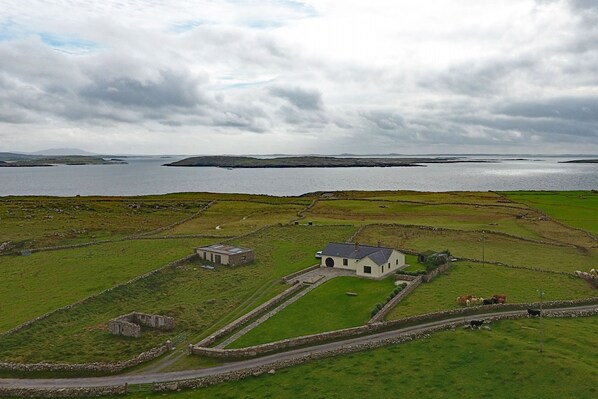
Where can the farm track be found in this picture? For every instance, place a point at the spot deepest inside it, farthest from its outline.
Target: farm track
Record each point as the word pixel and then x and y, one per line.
pixel 297 356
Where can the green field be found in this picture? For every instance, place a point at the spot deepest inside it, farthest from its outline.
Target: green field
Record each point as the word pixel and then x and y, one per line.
pixel 574 208
pixel 326 308
pixel 496 248
pixel 33 222
pixel 516 233
pixel 499 363
pixel 466 278
pixel 231 218
pixel 198 299
pixel 36 284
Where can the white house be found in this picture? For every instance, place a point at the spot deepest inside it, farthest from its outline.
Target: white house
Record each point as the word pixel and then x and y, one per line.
pixel 367 261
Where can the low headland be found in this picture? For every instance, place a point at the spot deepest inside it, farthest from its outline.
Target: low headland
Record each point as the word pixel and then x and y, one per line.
pixel 310 162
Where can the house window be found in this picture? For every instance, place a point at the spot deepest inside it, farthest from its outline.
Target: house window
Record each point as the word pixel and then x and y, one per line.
pixel 345 262
pixel 382 268
pixel 397 261
pixel 367 269
pixel 389 265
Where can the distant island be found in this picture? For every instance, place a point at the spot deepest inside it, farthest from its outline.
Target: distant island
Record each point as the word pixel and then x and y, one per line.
pixel 581 161
pixel 309 162
pixel 13 160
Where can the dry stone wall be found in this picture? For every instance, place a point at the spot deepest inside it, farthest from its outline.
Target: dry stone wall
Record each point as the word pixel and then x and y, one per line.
pixel 345 349
pixel 102 367
pixel 258 350
pixel 130 324
pixel 248 316
pixel 63 392
pixel 394 301
pixel 89 298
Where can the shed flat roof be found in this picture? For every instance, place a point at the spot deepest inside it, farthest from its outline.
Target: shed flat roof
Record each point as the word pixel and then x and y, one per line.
pixel 224 249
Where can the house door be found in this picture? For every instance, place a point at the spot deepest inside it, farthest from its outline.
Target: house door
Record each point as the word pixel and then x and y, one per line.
pixel 217 259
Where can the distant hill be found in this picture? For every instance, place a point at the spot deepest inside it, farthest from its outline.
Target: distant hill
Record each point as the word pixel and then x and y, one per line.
pixel 62 151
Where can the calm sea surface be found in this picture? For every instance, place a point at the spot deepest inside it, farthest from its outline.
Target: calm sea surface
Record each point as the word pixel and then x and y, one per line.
pixel 145 175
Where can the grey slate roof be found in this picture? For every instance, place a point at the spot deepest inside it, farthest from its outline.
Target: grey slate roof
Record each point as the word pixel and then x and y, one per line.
pixel 379 255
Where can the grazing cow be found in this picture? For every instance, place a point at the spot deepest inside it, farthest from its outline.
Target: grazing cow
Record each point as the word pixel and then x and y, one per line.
pixel 475 301
pixel 490 301
pixel 533 312
pixel 462 300
pixel 476 323
pixel 500 298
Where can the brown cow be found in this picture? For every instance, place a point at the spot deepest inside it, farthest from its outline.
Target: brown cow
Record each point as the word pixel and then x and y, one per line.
pixel 463 299
pixel 499 298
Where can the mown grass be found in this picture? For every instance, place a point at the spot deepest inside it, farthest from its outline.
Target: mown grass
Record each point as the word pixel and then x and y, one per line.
pixel 574 208
pixel 326 308
pixel 503 362
pixel 33 222
pixel 466 278
pixel 231 218
pixel 199 299
pixel 497 248
pixel 36 284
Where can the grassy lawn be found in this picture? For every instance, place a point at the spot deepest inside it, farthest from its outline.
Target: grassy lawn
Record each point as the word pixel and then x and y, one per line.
pixel 575 208
pixel 33 285
pixel 231 218
pixel 497 248
pixel 31 222
pixel 326 308
pixel 474 279
pixel 499 363
pixel 199 300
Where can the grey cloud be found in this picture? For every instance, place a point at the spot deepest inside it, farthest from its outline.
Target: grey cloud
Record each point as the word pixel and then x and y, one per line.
pixel 569 108
pixel 170 90
pixel 304 99
pixel 385 120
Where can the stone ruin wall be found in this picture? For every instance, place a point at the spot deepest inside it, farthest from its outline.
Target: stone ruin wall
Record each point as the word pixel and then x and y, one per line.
pixel 129 325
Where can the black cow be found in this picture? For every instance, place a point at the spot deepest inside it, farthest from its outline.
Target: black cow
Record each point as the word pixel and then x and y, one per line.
pixel 533 312
pixel 490 301
pixel 476 323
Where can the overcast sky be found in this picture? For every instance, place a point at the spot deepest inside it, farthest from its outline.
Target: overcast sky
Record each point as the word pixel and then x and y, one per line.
pixel 278 76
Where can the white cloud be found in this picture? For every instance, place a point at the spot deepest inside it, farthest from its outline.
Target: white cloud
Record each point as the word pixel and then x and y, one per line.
pixel 299 76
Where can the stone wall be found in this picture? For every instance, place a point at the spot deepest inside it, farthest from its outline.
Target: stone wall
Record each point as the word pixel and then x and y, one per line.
pixel 121 326
pixel 258 350
pixel 101 367
pixel 432 274
pixel 130 324
pixel 250 315
pixel 345 349
pixel 176 263
pixel 63 392
pixel 394 301
pixel 293 276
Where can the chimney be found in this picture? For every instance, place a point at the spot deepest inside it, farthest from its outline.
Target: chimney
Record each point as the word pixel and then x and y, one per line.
pixel 356 246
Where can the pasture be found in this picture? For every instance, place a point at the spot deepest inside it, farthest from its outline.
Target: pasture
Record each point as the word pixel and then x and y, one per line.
pixel 499 363
pixel 495 248
pixel 232 218
pixel 199 299
pixel 467 278
pixel 574 208
pixel 203 300
pixel 36 284
pixel 34 222
pixel 326 308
